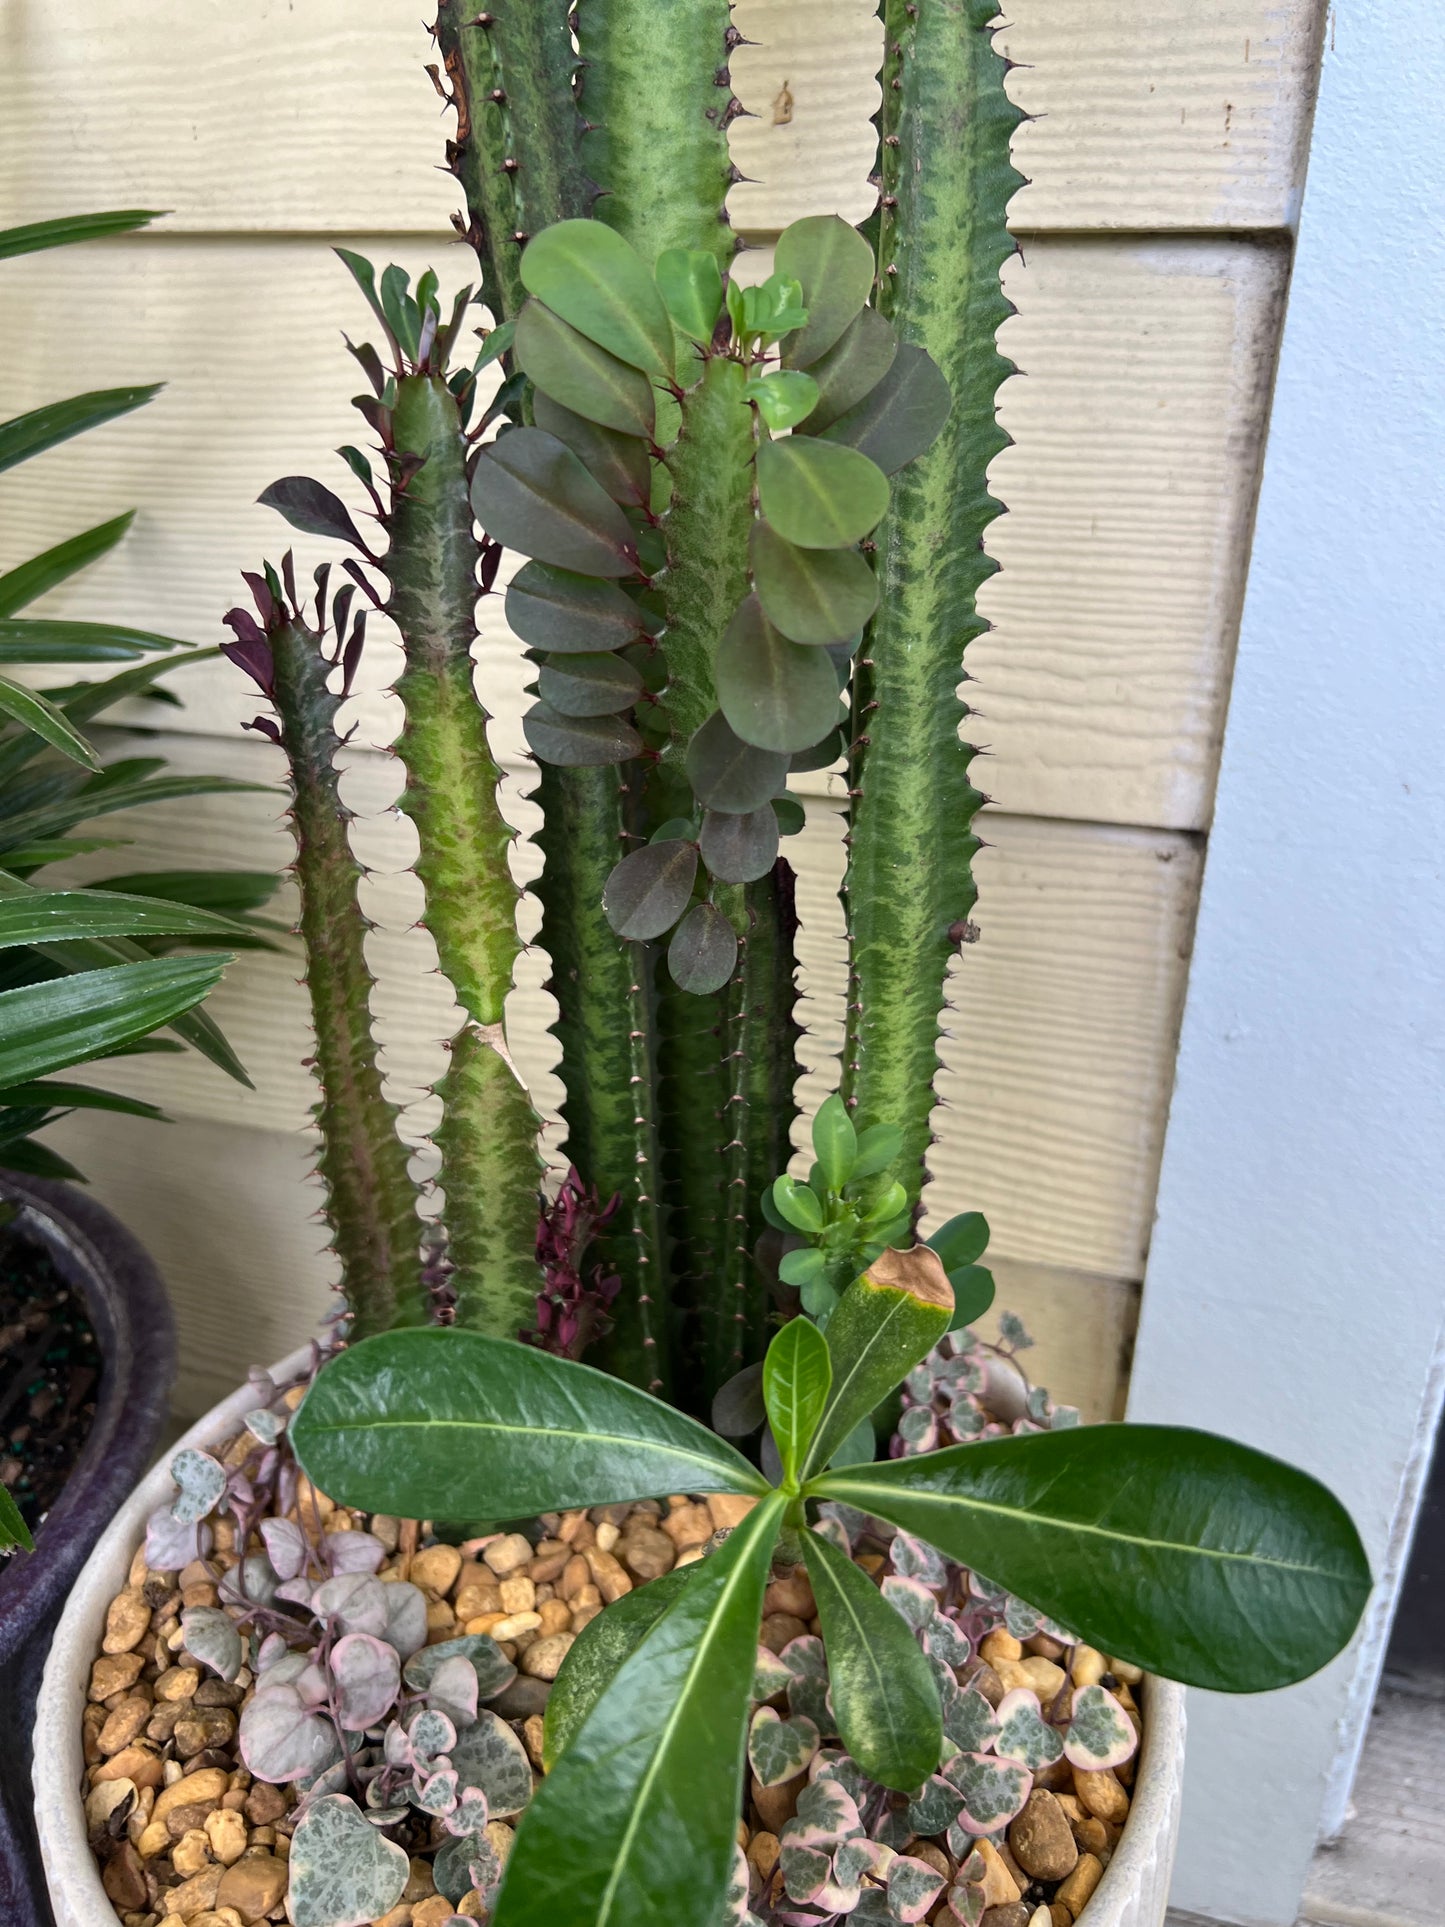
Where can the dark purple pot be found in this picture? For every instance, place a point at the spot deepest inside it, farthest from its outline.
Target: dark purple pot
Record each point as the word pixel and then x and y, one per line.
pixel 127 1307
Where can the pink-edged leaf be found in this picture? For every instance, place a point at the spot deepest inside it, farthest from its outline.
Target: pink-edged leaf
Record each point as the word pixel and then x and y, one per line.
pixel 1100 1733
pixel 913 1886
pixel 1024 1735
pixel 285 1547
pixel 432 1734
pixel 437 1792
pixel 354 1601
pixel 352 1552
pixel 970 1722
pixel 993 1791
pixel 780 1749
pixel 453 1690
pixel 172 1543
pixel 911 1598
pixel 770 1676
pixel 367 1673
pixel 282 1740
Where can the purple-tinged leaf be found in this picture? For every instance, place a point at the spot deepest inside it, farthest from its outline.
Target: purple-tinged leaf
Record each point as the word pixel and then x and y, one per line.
pixel 313 1683
pixel 471 1812
pixel 1024 1735
pixel 352 1552
pixel 934 1807
pixel 282 1739
pixel 453 1690
pixel 367 1676
pixel 1100 1733
pixel 355 1601
pixel 264 1425
pixel 490 1756
pixel 170 1544
pixel 285 1547
pixel 944 1639
pixel 493 1669
pixel 437 1792
pixel 970 1723
pixel 313 509
pixel 202 1481
pixel 432 1735
pixel 993 1791
pixel 966 1904
pixel 252 1583
pixel 405 1617
pixel 734 1908
pixel 912 1599
pixel 296 1592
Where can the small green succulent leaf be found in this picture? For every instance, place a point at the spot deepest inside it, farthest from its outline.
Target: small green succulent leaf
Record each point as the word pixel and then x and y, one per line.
pixel 962 1241
pixel 312 508
pixel 578 742
pixel 776 694
pixel 739 849
pixel 588 685
pixel 973 1294
pixel 1190 1555
pixel 902 417
pixel 531 493
pixel 822 755
pixel 835 1142
pixel 819 494
pixel 43 428
pixel 1100 1735
pixel 13 1529
pixel 878 1146
pixel 703 953
pixel 649 890
pixel 559 610
pixel 798 1204
pixel 342 1869
pixel 690 283
pixel 812 595
pixel 580 375
pixel 855 364
pixel 885 1322
pixel 49 1026
pixel 730 775
pixel 474 1428
pixel 800 1269
pixel 783 397
pixel 619 462
pixel 780 1749
pixel 797 1374
pixel 32 710
pixel 595 280
pixel 597 1652
pixel 885 1698
pixel 834 266
pixel 661 1747
pixel 498 343
pixel 403 314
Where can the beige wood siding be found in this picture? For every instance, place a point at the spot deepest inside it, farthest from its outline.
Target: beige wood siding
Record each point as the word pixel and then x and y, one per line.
pixel 1165 159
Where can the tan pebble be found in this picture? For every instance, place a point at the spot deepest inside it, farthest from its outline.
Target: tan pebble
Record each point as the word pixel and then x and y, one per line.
pixel 1012 1674
pixel 218 1917
pixel 204 1595
pixel 175 1639
pixel 436 1568
pixel 205 1787
pixel 115 1673
pixel 201 1727
pixel 1041 1917
pixel 518 1595
pixel 1076 1892
pixel 555 1615
pixel 647 1553
pixel 513 1624
pixel 1015 1914
pixel 998 1645
pixel 473 1601
pixel 178 1683
pixel 124 1879
pixel 500 1838
pixel 263 1836
pixel 235 1800
pixel 1041 1839
pixel 264 1804
pixel 727 1509
pixel 155 1838
pixel 127 1620
pixel 584 1615
pixel 384 1527
pixel 441 1621
pixel 1045 1647
pixel 1121 1669
pixel 508 1554
pixel 186 1819
pixel 1102 1794
pixel 607 1574
pixel 548 1561
pixel 311 1504
pixel 1021 1879
pixel 534 1730
pixel 1088 1666
pixel 791 1593
pixel 198 1894
pixel 1060 1915
pixel 191 1853
pixel 690 1557
pixel 778 1628
pixel 253 1886
pixel 1056 1777
pixel 419 1882
pixel 432 1913
pixel 688 1525
pixel 483 1623
pixel 607 1536
pixel 1092 1835
pixel 102 1801
pixel 197 1573
pixel 575 1575
pixel 173 1772
pixel 762 1852
pixel 1069 1806
pixel 1044 1677
pixel 569 1526
pixel 400 1916
pixel 138 1762
pixel 543 1658
pixel 125 1724
pixel 471 1906
pixel 931 1856
pixel 776 1805
pixel 226 1832
pixel 283 1845
pixel 870 1562
pixel 1000 1889
pixel 139 1572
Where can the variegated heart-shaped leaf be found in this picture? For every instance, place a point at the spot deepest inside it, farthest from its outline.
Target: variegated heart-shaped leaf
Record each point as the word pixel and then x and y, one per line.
pixel 201 1479
pixel 366 1677
pixel 913 1886
pixel 1100 1734
pixel 343 1872
pixel 1024 1735
pixel 780 1749
pixel 993 1791
pixel 211 1636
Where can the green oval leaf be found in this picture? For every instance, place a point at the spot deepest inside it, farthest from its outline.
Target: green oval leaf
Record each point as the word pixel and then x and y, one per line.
pixel 798 1204
pixel 579 742
pixel 774 693
pixel 973 1294
pixel 814 596
pixel 690 282
pixel 1185 1553
pixel 558 610
pixel 783 397
pixel 790 814
pixel 468 1427
pixel 589 275
pixel 902 417
pixel 962 1241
pixel 703 953
pixel 835 1142
pixel 818 494
pixel 797 1375
pixel 588 685
pixel 531 493
pixel 728 774
pixel 852 367
pixel 580 375
pixel 739 849
pixel 822 755
pixel 649 890
pixel 834 265
pixel 619 462
pixel 598 1651
pixel 885 1698
pixel 878 1146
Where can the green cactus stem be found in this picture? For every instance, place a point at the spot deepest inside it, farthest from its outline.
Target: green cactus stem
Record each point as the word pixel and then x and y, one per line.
pixel 945 127
pixel 370 1199
pixel 491 1167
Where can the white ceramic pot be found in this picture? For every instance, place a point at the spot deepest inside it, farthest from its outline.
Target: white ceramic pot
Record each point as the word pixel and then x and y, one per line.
pixel 1132 1893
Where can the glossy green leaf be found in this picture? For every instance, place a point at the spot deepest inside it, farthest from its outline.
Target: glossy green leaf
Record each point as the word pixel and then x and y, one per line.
pixel 902 417
pixel 835 1142
pixel 1187 1554
pixel 962 1241
pixel 561 611
pixel 790 815
pixel 452 1424
pixel 739 849
pixel 852 368
pixel 886 1321
pixel 49 1026
pixel 834 265
pixel 885 1698
pixel 822 755
pixel 973 1294
pixel 690 283
pixel 229 893
pixel 531 493
pixel 589 275
pixel 649 889
pixel 619 462
pixel 878 1146
pixel 580 375
pixel 597 1652
pixel 579 742
pixel 593 685
pixel 53 916
pixel 37 639
pixel 43 428
pixel 859 1448
pixel 21 585
pixel 33 712
pixel 818 494
pixel 13 1529
pixel 79 1097
pixel 798 1205
pixel 659 1759
pixel 703 953
pixel 730 775
pixel 783 397
pixel 812 595
pixel 68 228
pixel 797 1376
pixel 775 694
